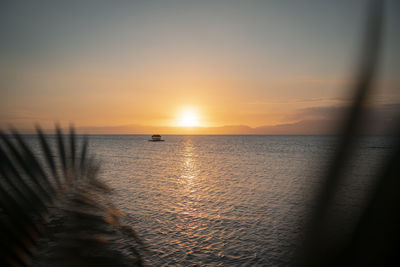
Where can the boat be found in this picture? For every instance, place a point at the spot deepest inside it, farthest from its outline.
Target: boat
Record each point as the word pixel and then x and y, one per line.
pixel 156 138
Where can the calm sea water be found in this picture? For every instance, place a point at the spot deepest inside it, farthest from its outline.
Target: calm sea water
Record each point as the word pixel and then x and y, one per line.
pixel 224 200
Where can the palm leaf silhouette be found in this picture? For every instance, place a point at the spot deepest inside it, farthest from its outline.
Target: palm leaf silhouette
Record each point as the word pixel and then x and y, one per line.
pixel 54 211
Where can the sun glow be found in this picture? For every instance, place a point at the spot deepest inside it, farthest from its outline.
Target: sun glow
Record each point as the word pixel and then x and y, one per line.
pixel 188 118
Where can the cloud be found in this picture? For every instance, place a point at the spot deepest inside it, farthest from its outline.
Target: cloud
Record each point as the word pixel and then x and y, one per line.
pixel 318 113
pixel 303 127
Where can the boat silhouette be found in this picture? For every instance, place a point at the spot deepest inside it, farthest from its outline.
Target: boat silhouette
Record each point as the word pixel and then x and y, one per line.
pixel 156 138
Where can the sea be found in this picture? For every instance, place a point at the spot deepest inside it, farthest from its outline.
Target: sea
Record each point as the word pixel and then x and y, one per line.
pixel 199 200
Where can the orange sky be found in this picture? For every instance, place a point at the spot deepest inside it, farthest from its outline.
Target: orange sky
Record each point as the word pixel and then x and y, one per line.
pixel 135 68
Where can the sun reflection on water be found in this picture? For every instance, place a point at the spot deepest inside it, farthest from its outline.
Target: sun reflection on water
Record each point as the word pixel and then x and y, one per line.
pixel 189 164
pixel 189 178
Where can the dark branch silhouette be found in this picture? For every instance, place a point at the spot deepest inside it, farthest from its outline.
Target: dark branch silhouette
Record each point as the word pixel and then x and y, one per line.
pixel 373 240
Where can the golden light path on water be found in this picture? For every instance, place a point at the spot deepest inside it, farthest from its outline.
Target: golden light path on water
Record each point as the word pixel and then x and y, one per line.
pixel 189 181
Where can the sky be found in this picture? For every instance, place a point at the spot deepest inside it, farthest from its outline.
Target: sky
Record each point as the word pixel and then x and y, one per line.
pixel 189 67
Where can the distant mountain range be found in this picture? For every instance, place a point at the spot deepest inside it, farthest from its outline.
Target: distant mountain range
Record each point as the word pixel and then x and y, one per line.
pixel 303 127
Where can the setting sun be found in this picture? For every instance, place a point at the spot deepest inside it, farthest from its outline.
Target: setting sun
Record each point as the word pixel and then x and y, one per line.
pixel 188 118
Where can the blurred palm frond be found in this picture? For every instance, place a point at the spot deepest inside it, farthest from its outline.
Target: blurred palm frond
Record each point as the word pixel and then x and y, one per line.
pixel 54 211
